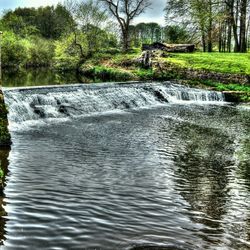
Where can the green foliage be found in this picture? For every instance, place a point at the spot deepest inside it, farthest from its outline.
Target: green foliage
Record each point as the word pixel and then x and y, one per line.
pixel 144 74
pixel 50 22
pixel 145 33
pixel 4 133
pixel 108 73
pixel 176 34
pixel 32 51
pixel 1 173
pixel 3 110
pixel 67 54
pixel 41 52
pixel 111 51
pixel 14 50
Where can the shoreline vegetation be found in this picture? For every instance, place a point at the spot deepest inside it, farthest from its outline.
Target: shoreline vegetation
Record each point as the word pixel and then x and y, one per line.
pixel 226 72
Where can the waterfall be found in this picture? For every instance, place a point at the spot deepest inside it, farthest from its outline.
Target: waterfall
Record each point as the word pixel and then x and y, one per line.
pixel 36 103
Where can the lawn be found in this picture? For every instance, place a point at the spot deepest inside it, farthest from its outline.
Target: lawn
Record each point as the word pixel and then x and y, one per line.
pixel 235 63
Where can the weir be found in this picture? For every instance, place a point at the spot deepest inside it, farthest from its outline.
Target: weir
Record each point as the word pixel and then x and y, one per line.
pixel 26 104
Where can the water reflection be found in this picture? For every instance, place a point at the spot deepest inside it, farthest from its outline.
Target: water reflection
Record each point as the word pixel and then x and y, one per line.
pixel 42 77
pixel 203 171
pixel 212 165
pixel 243 156
pixel 4 154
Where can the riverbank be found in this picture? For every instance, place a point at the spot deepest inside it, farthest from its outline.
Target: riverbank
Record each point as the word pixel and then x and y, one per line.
pixel 228 72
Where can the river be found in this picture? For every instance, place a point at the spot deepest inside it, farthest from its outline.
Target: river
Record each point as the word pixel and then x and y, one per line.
pixel 124 166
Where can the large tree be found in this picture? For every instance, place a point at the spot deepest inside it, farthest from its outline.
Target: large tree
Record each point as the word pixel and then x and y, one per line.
pixel 125 11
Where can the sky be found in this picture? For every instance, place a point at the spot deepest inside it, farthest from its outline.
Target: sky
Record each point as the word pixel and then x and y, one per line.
pixel 154 14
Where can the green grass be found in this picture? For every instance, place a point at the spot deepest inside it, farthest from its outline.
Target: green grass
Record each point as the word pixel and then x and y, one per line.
pixel 108 73
pixel 234 63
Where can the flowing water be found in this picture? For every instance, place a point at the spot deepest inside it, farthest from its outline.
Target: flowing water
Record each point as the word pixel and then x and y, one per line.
pixel 126 166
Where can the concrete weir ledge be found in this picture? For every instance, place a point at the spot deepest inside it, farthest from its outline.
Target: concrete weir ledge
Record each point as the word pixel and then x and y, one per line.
pixel 5 139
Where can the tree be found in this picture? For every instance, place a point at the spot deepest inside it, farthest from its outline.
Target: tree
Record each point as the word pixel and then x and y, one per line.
pixel 90 22
pixel 176 34
pixel 125 11
pixel 145 33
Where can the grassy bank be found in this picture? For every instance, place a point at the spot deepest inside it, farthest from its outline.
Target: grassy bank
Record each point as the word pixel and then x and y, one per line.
pixel 218 71
pixel 232 63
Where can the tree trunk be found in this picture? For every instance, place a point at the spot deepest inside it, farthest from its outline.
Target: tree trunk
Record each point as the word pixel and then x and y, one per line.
pixel 210 28
pixel 220 38
pixel 204 42
pixel 243 13
pixel 126 44
pixel 229 37
pixel 235 26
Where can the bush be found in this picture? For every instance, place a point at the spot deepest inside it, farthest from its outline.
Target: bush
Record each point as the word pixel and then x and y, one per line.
pixel 107 74
pixel 14 50
pixel 67 54
pixel 41 52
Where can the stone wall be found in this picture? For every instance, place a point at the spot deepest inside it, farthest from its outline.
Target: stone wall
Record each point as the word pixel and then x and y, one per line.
pixel 5 140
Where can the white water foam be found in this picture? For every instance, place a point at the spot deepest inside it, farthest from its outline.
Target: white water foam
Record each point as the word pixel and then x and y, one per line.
pixel 64 102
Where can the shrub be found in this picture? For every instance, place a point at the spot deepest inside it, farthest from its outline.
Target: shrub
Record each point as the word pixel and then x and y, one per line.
pixel 107 74
pixel 41 52
pixel 14 50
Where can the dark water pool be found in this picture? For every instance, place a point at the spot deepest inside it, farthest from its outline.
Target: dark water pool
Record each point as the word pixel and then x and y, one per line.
pixel 42 77
pixel 176 176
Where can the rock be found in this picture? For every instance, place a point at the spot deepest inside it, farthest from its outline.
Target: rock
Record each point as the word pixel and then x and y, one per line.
pixel 63 109
pixel 5 139
pixel 235 96
pixel 39 111
pixel 160 96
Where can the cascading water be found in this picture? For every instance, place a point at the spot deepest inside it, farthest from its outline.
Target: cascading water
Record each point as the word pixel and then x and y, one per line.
pixel 27 104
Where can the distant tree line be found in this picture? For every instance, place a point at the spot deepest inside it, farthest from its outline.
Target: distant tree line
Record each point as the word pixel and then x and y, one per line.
pixel 219 24
pixel 64 35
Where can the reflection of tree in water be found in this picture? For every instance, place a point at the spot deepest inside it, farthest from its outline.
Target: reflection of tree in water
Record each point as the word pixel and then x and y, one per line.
pixel 33 77
pixel 4 154
pixel 243 160
pixel 243 163
pixel 203 170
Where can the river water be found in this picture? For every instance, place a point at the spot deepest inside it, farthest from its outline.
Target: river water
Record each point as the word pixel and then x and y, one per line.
pixel 126 166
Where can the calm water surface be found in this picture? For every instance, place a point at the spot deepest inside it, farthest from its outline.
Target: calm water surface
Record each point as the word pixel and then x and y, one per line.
pixel 176 176
pixel 42 77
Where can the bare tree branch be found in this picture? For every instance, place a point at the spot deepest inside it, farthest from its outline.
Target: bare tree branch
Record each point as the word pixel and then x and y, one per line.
pixel 125 11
